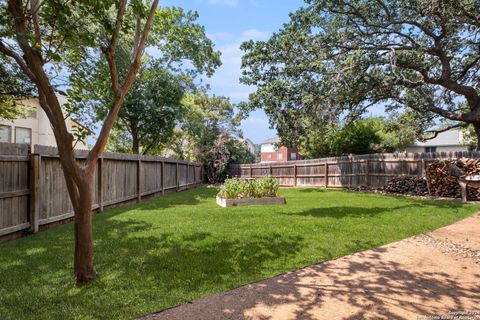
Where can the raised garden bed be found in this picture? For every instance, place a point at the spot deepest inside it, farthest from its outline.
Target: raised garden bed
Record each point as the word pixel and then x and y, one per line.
pixel 250 201
pixel 263 191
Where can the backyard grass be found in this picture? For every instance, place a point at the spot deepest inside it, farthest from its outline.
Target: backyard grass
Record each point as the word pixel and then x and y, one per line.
pixel 170 250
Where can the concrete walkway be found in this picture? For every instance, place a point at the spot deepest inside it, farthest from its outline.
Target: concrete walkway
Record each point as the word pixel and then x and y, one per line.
pixel 433 274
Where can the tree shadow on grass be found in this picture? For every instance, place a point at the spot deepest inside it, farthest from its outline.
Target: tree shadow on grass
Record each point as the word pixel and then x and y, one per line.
pixel 199 258
pixel 183 198
pixel 311 190
pixel 139 272
pixel 342 211
pixel 375 284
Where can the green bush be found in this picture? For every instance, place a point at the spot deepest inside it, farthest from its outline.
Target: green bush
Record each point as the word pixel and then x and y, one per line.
pixel 239 189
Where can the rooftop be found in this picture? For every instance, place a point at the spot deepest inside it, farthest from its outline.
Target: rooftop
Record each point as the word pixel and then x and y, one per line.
pixel 271 141
pixel 448 138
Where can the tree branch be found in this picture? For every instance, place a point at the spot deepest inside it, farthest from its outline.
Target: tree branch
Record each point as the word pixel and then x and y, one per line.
pixel 435 133
pixel 113 113
pixel 23 65
pixel 112 47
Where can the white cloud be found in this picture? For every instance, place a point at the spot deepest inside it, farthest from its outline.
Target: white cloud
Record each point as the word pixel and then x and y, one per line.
pixel 230 3
pixel 226 80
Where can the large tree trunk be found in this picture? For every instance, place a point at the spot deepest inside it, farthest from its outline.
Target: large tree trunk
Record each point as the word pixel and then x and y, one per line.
pixel 79 182
pixel 84 269
pixel 135 144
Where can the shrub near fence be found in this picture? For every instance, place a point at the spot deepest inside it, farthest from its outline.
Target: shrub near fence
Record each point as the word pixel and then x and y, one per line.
pixel 33 192
pixel 372 170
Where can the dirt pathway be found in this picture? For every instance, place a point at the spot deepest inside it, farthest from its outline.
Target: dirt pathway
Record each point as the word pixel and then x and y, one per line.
pixel 433 274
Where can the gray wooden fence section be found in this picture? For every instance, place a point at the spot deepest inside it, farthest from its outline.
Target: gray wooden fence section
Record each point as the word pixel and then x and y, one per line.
pixel 373 170
pixel 14 188
pixel 33 191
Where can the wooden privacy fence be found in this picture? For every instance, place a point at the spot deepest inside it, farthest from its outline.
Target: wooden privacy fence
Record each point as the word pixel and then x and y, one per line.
pixel 373 170
pixel 33 191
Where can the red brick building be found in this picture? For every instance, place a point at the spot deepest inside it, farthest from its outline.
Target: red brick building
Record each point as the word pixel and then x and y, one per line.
pixel 270 153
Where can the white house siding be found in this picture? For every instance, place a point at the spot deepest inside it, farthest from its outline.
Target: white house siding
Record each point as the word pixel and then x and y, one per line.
pixel 438 149
pixel 38 123
pixel 268 148
pixel 448 141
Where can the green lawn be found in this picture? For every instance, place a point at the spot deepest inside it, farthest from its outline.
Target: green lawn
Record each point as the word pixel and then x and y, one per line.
pixel 170 250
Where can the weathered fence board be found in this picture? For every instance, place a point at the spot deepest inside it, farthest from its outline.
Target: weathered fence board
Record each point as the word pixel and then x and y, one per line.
pixel 373 170
pixel 33 190
pixel 14 188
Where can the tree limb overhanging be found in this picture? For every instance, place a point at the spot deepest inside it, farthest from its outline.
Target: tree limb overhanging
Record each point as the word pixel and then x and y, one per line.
pixel 419 55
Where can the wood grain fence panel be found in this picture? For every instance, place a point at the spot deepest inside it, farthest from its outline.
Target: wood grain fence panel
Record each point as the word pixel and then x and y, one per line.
pixel 182 175
pixel 170 175
pixel 14 187
pixel 198 174
pixel 374 170
pixel 152 176
pixel 54 199
pixel 191 174
pixel 119 178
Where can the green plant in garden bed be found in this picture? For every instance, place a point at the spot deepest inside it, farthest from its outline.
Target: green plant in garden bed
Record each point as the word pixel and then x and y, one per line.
pixel 170 250
pixel 239 189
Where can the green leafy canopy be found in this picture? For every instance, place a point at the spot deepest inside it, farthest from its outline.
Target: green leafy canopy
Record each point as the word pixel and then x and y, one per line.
pixel 335 59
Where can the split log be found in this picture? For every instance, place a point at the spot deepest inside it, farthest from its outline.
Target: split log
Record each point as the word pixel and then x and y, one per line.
pixel 416 186
pixel 442 177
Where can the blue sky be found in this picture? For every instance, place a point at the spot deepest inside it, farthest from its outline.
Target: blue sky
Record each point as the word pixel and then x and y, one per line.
pixel 228 23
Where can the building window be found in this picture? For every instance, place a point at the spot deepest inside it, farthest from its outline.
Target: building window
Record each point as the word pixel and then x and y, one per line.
pixel 430 149
pixel 23 135
pixel 5 133
pixel 32 113
pixel 293 156
pixel 279 156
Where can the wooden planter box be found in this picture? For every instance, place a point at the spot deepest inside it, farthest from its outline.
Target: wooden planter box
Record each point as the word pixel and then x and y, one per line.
pixel 250 201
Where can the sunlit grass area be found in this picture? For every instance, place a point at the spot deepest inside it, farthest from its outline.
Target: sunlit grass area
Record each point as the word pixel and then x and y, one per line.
pixel 174 249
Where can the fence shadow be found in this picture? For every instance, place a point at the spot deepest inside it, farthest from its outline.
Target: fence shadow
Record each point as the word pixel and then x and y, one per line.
pixel 190 197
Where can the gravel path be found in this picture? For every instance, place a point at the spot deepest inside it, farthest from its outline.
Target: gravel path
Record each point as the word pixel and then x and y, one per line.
pixel 430 276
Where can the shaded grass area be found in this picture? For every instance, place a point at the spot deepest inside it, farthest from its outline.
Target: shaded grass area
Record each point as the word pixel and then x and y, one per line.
pixel 170 250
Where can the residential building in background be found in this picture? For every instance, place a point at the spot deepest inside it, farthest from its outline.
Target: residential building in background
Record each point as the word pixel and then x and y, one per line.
pixel 269 152
pixel 448 141
pixel 36 128
pixel 250 145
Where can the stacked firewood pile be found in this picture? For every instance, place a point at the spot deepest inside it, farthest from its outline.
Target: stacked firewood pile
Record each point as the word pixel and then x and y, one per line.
pixel 416 186
pixel 442 177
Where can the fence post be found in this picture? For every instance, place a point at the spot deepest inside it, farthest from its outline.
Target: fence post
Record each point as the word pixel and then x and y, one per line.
pixel 177 177
pixel 422 169
pixel 162 174
pixel 326 174
pixel 367 172
pixel 250 172
pixel 100 184
pixel 270 171
pixel 294 174
pixel 139 180
pixel 35 161
pixel 186 176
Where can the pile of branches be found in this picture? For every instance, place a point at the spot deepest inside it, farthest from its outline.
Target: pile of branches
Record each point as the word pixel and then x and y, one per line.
pixel 442 177
pixel 415 186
